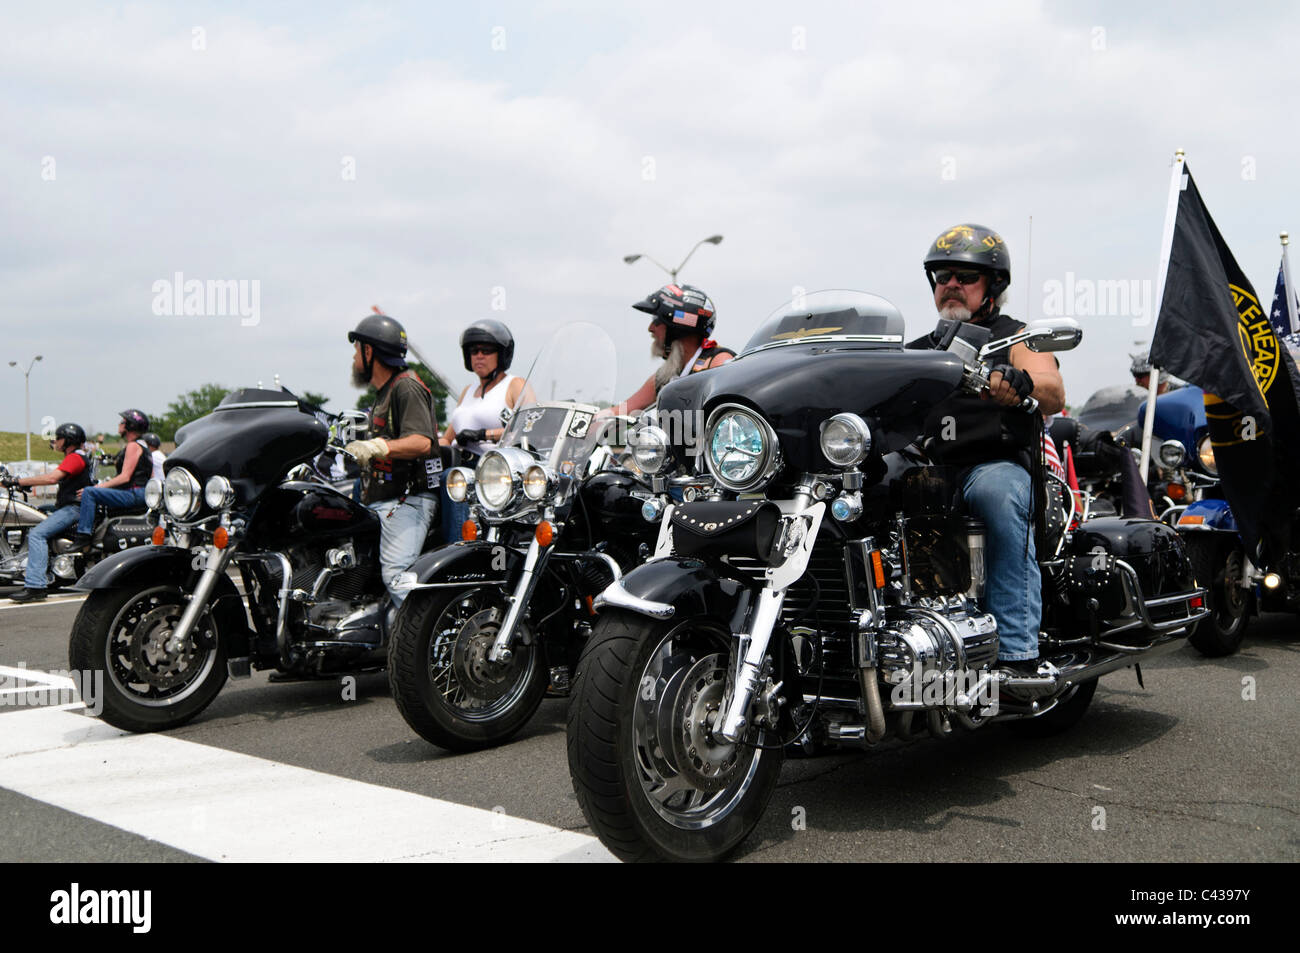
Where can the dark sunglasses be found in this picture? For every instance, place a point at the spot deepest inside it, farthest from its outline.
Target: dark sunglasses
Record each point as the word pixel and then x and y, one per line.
pixel 481 349
pixel 944 276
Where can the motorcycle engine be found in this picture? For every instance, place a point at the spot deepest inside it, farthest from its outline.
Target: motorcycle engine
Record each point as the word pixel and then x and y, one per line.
pixel 937 639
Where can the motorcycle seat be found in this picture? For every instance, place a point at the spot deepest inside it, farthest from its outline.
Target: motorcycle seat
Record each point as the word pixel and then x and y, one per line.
pixel 135 509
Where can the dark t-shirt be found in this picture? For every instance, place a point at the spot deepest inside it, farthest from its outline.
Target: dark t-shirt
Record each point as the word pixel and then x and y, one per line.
pixel 403 408
pixel 966 429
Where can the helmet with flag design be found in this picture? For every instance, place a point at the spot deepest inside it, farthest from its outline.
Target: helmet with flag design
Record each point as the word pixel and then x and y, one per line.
pixel 682 309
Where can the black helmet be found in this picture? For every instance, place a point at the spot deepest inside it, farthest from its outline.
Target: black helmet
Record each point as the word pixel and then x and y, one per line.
pixel 71 433
pixel 386 335
pixel 683 309
pixel 152 440
pixel 1141 363
pixel 492 332
pixel 136 420
pixel 974 245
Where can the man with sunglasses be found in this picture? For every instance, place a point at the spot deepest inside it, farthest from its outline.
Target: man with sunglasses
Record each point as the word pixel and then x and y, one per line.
pixel 994 442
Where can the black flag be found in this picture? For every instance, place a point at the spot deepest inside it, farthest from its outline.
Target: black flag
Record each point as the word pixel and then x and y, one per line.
pixel 1212 332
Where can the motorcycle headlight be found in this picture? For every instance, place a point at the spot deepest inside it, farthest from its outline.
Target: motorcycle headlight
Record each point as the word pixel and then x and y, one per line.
pixel 181 493
pixel 458 481
pixel 1171 454
pixel 649 449
pixel 846 440
pixel 1205 451
pixel 218 493
pixel 742 451
pixel 494 481
pixel 536 482
pixel 153 494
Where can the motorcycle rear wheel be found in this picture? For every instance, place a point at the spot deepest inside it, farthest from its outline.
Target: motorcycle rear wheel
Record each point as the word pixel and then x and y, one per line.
pixel 1215 565
pixel 443 684
pixel 121 633
pixel 638 684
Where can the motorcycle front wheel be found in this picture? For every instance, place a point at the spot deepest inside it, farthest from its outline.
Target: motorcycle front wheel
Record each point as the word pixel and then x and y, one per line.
pixel 123 634
pixel 652 781
pixel 442 680
pixel 1217 566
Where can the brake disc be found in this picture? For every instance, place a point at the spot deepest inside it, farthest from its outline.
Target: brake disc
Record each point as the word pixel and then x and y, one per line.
pixel 691 705
pixel 484 679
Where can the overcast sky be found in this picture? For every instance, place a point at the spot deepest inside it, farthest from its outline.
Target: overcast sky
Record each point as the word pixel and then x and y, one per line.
pixel 443 164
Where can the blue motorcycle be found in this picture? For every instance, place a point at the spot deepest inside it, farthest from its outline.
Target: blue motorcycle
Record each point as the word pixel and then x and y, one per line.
pixel 1184 477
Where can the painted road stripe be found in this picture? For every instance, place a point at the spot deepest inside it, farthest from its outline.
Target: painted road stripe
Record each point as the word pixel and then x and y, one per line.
pixel 233 807
pixel 48 601
pixel 32 679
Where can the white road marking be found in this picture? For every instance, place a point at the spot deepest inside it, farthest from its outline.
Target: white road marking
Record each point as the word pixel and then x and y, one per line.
pixel 33 679
pixel 226 806
pixel 48 601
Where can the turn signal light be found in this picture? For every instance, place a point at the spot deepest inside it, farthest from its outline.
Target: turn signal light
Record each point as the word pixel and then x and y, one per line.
pixel 877 569
pixel 1196 602
pixel 545 533
pixel 469 531
pixel 159 536
pixel 221 539
pixel 1176 491
pixel 1186 520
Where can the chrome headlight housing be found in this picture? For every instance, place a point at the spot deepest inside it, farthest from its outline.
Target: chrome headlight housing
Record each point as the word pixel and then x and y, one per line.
pixel 1205 450
pixel 741 448
pixel 153 494
pixel 1172 454
pixel 494 481
pixel 218 493
pixel 845 440
pixel 181 494
pixel 459 480
pixel 537 481
pixel 649 449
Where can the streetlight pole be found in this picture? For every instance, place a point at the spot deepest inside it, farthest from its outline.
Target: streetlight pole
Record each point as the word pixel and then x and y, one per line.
pixel 672 272
pixel 27 402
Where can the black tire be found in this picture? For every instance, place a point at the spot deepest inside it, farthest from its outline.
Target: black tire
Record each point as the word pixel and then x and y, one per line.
pixel 110 626
pixel 427 678
pixel 611 766
pixel 1062 716
pixel 1220 633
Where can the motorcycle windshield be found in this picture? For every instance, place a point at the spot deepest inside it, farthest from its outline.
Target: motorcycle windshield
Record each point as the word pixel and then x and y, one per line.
pixel 835 315
pixel 571 380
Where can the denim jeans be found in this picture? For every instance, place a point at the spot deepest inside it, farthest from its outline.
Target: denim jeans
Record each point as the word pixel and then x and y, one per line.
pixel 403 525
pixel 38 544
pixel 114 498
pixel 454 516
pixel 999 494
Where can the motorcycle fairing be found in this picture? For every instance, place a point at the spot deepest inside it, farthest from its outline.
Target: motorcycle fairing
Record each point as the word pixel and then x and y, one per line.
pixel 1215 516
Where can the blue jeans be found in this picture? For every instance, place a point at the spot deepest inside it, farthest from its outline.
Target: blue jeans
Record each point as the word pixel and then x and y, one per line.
pixel 454 516
pixel 403 525
pixel 999 494
pixel 38 544
pixel 114 498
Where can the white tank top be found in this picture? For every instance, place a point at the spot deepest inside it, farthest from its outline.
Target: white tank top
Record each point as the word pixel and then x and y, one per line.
pixel 481 413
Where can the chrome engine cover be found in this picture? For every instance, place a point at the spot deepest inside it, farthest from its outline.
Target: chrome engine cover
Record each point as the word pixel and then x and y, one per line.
pixel 935 639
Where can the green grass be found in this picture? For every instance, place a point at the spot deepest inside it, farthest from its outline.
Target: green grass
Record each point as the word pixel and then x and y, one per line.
pixel 13 446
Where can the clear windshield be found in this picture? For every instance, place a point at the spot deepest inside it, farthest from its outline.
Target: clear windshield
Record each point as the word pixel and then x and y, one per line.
pixel 570 381
pixel 831 315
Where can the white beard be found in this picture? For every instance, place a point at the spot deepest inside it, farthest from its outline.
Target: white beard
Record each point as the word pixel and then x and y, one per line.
pixel 954 311
pixel 672 365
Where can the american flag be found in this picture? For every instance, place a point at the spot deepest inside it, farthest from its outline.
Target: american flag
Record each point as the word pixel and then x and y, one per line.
pixel 1053 458
pixel 1279 314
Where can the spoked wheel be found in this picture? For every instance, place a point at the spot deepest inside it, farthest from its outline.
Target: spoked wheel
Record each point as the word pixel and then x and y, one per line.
pixel 650 776
pixel 1217 567
pixel 442 680
pixel 148 685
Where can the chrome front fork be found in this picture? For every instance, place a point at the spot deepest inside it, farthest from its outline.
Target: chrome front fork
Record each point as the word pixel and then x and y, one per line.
pixel 500 650
pixel 751 649
pixel 213 568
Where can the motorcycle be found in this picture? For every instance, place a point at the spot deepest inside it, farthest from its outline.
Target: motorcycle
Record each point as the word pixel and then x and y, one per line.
pixel 166 623
pixel 492 620
pixel 820 585
pixel 114 531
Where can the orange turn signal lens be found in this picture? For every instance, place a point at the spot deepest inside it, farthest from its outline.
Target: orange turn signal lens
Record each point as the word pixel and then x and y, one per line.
pixel 1175 491
pixel 591 605
pixel 1186 520
pixel 545 533
pixel 221 539
pixel 877 569
pixel 469 531
pixel 159 535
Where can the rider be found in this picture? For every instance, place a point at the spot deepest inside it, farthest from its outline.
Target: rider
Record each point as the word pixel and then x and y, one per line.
pixel 969 269
pixel 71 475
pixel 483 412
pixel 400 469
pixel 682 318
pixel 156 456
pixel 134 469
pixel 1140 368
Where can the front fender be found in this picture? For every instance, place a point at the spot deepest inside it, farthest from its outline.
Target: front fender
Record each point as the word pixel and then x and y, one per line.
pixel 688 587
pixel 1207 516
pixel 474 562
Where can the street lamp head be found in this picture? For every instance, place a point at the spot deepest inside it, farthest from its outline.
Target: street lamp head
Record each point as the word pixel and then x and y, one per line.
pixel 38 357
pixel 630 258
pixel 714 239
pixel 13 363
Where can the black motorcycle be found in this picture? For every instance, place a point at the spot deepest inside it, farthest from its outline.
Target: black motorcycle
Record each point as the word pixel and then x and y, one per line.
pixel 490 622
pixel 822 586
pixel 166 623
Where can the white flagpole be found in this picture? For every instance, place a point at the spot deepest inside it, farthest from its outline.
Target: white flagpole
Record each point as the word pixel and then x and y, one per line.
pixel 1288 289
pixel 1166 247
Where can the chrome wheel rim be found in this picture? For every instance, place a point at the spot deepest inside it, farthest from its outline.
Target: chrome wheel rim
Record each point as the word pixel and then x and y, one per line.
pixel 136 659
pixel 462 677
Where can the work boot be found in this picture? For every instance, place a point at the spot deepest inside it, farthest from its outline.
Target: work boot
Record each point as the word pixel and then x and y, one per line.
pixel 28 595
pixel 81 543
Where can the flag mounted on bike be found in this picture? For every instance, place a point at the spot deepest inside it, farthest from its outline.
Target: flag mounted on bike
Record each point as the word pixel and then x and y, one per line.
pixel 1285 312
pixel 1212 332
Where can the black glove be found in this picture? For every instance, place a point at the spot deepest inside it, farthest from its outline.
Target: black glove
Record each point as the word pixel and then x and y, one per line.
pixel 1019 380
pixel 466 437
pixel 11 483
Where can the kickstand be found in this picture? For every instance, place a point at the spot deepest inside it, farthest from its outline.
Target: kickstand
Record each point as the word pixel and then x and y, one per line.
pixel 1138 668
